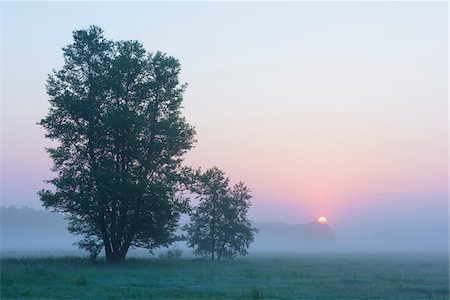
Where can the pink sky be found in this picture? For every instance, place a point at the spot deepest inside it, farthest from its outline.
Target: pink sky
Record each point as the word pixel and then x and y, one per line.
pixel 327 109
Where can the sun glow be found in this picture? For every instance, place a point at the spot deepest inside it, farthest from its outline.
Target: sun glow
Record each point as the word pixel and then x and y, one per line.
pixel 322 220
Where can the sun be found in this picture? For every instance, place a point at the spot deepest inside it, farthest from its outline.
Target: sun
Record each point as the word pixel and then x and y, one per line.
pixel 322 220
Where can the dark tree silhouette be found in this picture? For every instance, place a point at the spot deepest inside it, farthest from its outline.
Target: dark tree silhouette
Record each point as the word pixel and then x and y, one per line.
pixel 115 113
pixel 219 225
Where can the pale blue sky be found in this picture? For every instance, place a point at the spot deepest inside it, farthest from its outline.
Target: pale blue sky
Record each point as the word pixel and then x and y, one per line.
pixel 318 107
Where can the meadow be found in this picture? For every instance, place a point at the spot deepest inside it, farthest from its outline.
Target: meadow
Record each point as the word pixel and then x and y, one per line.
pixel 308 276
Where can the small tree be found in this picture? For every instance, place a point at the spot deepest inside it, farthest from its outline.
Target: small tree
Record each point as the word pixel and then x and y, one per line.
pixel 115 111
pixel 219 225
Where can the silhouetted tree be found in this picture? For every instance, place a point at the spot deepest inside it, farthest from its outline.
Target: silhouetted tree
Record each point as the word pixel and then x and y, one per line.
pixel 219 225
pixel 115 113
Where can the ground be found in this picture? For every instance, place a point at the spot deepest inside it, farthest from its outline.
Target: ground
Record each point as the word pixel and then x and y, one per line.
pixel 308 276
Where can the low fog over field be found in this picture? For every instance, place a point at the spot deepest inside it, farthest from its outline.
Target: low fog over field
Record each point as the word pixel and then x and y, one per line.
pixel 30 230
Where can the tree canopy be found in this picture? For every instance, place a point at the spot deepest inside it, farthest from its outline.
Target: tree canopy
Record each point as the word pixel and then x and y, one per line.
pixel 219 225
pixel 116 115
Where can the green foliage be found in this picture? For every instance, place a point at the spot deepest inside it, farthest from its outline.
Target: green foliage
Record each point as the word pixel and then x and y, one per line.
pixel 116 115
pixel 219 225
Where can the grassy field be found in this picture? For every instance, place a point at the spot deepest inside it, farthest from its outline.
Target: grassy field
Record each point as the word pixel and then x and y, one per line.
pixel 258 277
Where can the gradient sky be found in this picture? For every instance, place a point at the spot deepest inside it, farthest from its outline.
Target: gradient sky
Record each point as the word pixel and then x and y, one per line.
pixel 335 109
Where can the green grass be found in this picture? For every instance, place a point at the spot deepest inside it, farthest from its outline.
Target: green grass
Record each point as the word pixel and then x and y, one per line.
pixel 264 277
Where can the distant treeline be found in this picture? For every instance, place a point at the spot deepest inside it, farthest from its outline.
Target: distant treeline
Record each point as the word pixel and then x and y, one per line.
pixel 29 229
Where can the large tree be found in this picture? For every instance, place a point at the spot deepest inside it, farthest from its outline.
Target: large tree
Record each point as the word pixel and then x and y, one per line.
pixel 219 225
pixel 115 112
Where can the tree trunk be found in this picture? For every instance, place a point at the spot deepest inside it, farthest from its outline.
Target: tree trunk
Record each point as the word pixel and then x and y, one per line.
pixel 116 253
pixel 117 256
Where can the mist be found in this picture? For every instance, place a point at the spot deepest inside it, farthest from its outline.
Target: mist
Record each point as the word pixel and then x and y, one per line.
pixel 32 231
